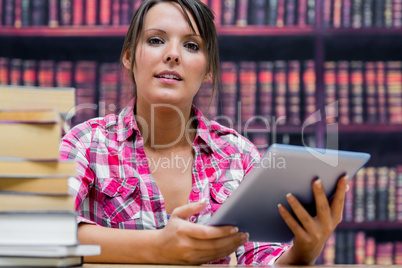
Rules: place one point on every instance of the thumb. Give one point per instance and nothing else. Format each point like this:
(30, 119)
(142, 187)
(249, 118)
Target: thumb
(184, 212)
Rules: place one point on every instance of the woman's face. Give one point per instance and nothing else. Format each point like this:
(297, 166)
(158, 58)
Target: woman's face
(170, 60)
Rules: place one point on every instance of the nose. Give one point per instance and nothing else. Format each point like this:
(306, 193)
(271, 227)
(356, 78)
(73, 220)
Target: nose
(172, 54)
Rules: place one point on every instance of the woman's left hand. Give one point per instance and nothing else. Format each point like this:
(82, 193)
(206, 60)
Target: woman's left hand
(310, 236)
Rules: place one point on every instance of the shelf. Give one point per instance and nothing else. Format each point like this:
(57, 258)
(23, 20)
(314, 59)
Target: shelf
(374, 225)
(107, 31)
(364, 31)
(370, 128)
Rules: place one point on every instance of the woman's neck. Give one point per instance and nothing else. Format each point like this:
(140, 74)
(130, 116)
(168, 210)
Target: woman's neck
(165, 127)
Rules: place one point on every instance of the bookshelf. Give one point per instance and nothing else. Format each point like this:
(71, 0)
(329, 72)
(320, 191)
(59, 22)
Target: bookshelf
(321, 38)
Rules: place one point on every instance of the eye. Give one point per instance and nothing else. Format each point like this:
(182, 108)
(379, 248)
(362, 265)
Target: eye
(155, 41)
(192, 46)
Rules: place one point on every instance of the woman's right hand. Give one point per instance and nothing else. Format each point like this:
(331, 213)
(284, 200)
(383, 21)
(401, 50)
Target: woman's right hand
(183, 242)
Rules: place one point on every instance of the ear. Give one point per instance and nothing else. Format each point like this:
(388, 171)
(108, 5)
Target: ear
(126, 60)
(208, 77)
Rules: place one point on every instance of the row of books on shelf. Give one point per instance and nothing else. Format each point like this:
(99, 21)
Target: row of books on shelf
(262, 92)
(34, 189)
(375, 194)
(20, 13)
(362, 13)
(362, 248)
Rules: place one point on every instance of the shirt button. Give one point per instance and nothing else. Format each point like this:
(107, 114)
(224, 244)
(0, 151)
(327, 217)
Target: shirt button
(193, 218)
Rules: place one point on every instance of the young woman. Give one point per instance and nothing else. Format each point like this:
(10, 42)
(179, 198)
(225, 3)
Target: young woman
(148, 176)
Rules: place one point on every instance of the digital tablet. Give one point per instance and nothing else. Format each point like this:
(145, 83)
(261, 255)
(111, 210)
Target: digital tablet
(284, 169)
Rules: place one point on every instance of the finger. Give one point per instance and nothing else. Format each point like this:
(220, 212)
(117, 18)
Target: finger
(199, 231)
(223, 243)
(184, 212)
(209, 256)
(291, 222)
(321, 202)
(301, 213)
(338, 201)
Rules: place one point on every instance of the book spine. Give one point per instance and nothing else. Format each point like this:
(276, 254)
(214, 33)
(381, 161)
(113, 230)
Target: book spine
(229, 12)
(91, 9)
(280, 14)
(9, 12)
(65, 12)
(115, 12)
(125, 14)
(337, 18)
(381, 93)
(397, 13)
(1, 13)
(53, 13)
(326, 13)
(329, 251)
(272, 12)
(294, 92)
(368, 13)
(392, 194)
(242, 8)
(4, 73)
(39, 12)
(216, 6)
(229, 89)
(360, 243)
(64, 74)
(330, 91)
(388, 14)
(394, 91)
(398, 194)
(25, 13)
(384, 254)
(309, 90)
(302, 13)
(78, 12)
(257, 12)
(310, 12)
(248, 88)
(17, 14)
(357, 14)
(370, 194)
(357, 91)
(346, 13)
(46, 73)
(203, 100)
(108, 96)
(280, 92)
(29, 73)
(16, 72)
(349, 200)
(85, 82)
(350, 247)
(359, 196)
(290, 18)
(370, 251)
(379, 13)
(343, 92)
(265, 94)
(340, 247)
(105, 12)
(371, 98)
(382, 193)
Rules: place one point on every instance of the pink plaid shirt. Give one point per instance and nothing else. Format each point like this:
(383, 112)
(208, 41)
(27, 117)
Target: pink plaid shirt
(114, 187)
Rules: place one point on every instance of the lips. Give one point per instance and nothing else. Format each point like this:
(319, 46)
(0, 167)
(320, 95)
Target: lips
(169, 75)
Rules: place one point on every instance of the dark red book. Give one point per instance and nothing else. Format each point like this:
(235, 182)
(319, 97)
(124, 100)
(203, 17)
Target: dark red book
(309, 91)
(247, 89)
(326, 20)
(66, 12)
(349, 200)
(330, 91)
(229, 90)
(280, 92)
(115, 12)
(229, 12)
(64, 74)
(29, 73)
(108, 88)
(53, 13)
(398, 194)
(371, 96)
(216, 6)
(205, 101)
(46, 71)
(346, 13)
(105, 11)
(381, 93)
(16, 72)
(337, 14)
(356, 83)
(125, 12)
(78, 12)
(294, 92)
(1, 12)
(394, 91)
(86, 93)
(397, 13)
(4, 73)
(290, 12)
(8, 12)
(265, 89)
(91, 9)
(343, 92)
(242, 8)
(280, 17)
(302, 13)
(17, 14)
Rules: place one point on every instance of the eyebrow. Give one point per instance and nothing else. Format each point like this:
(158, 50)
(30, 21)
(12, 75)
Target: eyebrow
(162, 31)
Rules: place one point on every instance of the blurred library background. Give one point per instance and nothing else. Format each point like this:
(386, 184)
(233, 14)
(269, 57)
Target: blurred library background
(323, 73)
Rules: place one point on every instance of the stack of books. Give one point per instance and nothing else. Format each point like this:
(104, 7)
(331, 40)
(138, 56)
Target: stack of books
(38, 224)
